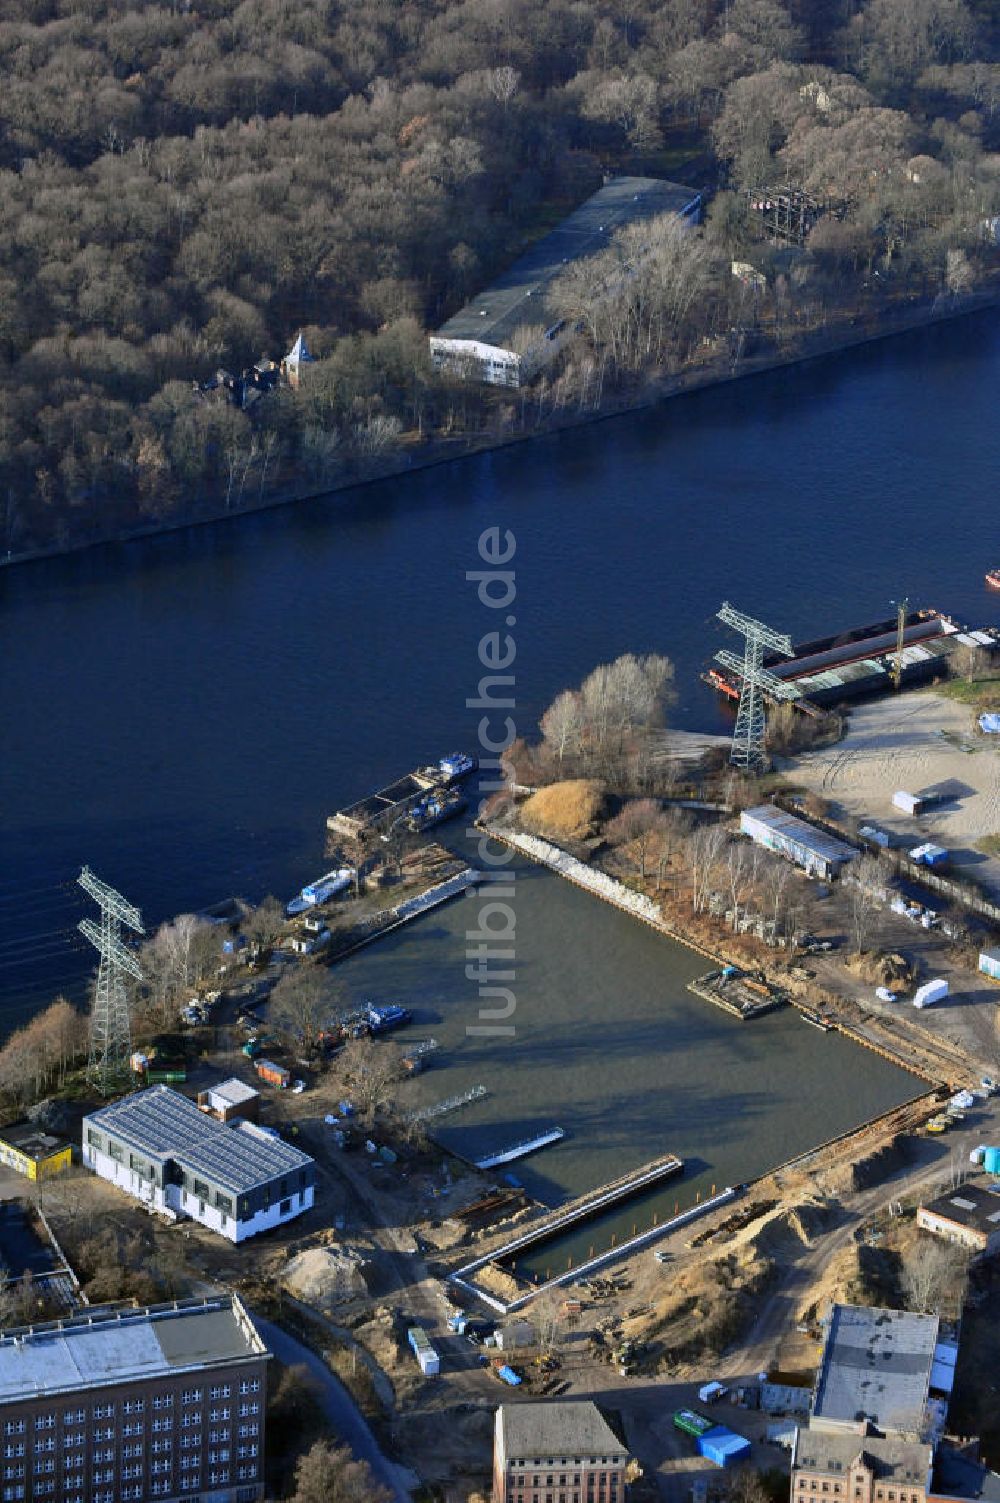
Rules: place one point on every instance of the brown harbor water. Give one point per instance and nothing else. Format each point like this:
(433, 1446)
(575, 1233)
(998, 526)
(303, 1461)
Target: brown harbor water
(611, 1046)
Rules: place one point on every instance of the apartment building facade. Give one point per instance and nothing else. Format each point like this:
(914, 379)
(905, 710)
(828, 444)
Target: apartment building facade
(159, 1405)
(831, 1468)
(557, 1453)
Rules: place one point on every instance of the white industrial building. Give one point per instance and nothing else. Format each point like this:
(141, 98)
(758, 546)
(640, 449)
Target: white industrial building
(233, 1177)
(819, 854)
(510, 331)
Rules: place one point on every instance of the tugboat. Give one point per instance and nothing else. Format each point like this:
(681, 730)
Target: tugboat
(457, 765)
(993, 579)
(434, 808)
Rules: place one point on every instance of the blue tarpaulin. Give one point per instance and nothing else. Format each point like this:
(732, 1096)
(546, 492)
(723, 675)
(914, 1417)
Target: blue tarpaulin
(723, 1447)
(990, 724)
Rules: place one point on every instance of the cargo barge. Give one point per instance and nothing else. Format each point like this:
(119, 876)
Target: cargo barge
(381, 810)
(847, 665)
(737, 993)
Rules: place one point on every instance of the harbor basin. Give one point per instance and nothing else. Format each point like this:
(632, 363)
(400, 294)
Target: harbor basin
(609, 1045)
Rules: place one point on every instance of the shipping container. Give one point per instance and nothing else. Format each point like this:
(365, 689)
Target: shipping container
(991, 1160)
(989, 964)
(928, 854)
(275, 1075)
(910, 803)
(723, 1447)
(930, 992)
(692, 1423)
(430, 1362)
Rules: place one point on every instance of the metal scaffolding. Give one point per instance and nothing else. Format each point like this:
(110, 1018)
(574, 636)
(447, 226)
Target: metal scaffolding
(756, 682)
(110, 1032)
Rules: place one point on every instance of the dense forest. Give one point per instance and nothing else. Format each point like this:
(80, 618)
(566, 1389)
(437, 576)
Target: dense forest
(186, 186)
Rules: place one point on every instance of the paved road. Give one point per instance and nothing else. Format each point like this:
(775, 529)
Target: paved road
(343, 1415)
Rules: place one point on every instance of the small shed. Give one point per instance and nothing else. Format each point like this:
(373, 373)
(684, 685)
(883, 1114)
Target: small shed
(230, 1098)
(989, 964)
(32, 1152)
(723, 1447)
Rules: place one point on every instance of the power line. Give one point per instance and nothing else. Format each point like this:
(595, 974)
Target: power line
(110, 1034)
(755, 681)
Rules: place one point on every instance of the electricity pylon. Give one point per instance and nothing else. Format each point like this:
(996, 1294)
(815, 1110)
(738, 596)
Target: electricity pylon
(755, 682)
(110, 1034)
(902, 611)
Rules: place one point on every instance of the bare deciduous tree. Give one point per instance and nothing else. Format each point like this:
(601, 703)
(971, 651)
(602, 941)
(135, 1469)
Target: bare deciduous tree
(265, 923)
(704, 853)
(302, 1004)
(369, 1071)
(636, 826)
(869, 880)
(934, 1277)
(562, 725)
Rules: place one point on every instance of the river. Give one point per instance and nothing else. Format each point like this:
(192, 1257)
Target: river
(182, 712)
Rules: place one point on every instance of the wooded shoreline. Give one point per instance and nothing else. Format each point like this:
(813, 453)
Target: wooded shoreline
(813, 346)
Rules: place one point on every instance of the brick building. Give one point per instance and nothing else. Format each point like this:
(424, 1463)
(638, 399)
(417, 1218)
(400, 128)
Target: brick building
(969, 1216)
(135, 1405)
(557, 1453)
(853, 1469)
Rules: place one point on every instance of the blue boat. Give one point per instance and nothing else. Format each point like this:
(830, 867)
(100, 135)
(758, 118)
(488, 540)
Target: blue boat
(457, 765)
(383, 1019)
(319, 891)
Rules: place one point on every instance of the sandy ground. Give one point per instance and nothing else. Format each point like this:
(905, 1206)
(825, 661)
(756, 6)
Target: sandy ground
(922, 743)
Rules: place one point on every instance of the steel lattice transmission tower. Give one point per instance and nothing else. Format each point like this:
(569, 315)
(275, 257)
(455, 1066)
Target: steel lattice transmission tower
(756, 683)
(110, 1035)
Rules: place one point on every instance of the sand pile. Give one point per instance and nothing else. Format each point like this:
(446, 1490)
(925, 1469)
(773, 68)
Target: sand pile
(325, 1277)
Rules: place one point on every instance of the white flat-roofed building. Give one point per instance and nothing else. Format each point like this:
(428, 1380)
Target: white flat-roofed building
(510, 330)
(234, 1178)
(875, 1374)
(133, 1405)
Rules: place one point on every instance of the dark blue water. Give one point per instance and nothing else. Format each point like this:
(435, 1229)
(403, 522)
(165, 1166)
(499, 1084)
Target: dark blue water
(183, 712)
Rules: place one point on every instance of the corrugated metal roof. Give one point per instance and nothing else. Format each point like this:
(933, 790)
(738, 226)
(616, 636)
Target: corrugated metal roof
(517, 299)
(789, 827)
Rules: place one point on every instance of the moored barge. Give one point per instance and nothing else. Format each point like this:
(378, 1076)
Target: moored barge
(382, 809)
(847, 665)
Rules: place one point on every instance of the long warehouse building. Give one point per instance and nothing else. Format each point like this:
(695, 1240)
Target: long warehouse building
(511, 329)
(816, 852)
